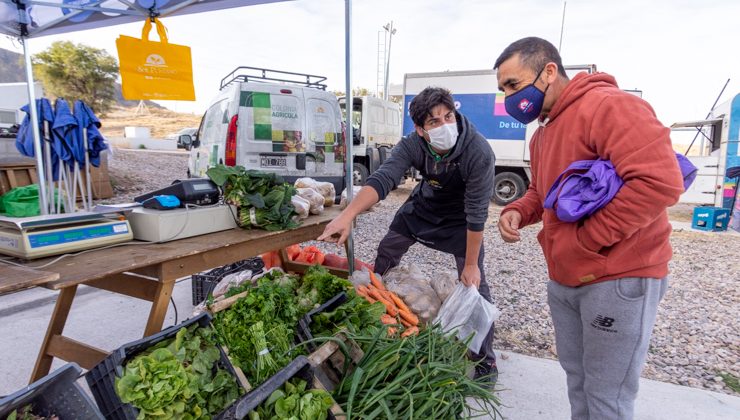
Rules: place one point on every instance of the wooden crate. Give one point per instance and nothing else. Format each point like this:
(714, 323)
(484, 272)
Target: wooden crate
(16, 174)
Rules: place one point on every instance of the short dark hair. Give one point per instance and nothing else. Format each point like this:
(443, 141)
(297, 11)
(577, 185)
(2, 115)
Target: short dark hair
(422, 104)
(534, 52)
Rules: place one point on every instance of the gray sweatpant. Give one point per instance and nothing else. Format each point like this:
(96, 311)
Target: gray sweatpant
(394, 245)
(602, 332)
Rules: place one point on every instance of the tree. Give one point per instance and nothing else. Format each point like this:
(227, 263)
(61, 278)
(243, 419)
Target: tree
(358, 91)
(76, 71)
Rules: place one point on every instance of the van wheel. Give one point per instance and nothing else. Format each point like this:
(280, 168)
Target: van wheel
(359, 174)
(507, 187)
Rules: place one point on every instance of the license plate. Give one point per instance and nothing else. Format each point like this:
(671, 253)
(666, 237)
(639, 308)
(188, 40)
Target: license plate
(273, 161)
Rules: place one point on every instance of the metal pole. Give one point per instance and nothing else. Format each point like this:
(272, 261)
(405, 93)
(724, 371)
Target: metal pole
(562, 26)
(38, 151)
(88, 172)
(349, 107)
(391, 31)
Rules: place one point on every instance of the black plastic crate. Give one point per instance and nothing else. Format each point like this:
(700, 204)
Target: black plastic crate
(102, 378)
(56, 393)
(298, 368)
(303, 332)
(204, 283)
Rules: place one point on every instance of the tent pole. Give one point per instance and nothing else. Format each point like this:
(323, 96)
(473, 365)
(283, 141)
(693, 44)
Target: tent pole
(349, 136)
(88, 172)
(38, 151)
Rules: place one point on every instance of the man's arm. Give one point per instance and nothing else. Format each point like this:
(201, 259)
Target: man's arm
(378, 186)
(470, 275)
(626, 131)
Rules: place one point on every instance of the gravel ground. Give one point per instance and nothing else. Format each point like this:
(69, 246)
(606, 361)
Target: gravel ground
(696, 334)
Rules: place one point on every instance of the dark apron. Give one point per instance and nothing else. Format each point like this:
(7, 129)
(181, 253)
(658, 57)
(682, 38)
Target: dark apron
(434, 214)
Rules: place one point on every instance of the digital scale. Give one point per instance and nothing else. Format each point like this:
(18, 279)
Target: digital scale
(42, 236)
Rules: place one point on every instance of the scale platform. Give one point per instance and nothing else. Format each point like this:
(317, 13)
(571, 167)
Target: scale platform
(169, 225)
(43, 236)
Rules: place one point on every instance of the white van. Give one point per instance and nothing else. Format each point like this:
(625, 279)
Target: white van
(272, 121)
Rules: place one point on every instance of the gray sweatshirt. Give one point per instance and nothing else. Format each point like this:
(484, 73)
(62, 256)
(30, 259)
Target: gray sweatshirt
(455, 188)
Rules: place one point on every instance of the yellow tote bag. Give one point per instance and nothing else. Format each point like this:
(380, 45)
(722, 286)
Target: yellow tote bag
(155, 70)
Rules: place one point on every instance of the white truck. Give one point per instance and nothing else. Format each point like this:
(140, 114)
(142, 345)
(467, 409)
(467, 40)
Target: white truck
(719, 150)
(377, 128)
(477, 97)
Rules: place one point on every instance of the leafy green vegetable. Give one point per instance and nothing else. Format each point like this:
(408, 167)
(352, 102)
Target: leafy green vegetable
(26, 413)
(319, 283)
(179, 378)
(273, 304)
(293, 401)
(356, 315)
(263, 199)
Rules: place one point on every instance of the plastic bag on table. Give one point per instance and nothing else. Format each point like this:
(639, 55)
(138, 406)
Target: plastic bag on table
(314, 198)
(301, 205)
(444, 283)
(325, 188)
(467, 313)
(343, 200)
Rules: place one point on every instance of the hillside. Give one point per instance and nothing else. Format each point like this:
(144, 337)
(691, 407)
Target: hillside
(11, 67)
(160, 121)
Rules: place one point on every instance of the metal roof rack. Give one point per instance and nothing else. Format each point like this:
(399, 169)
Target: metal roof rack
(255, 74)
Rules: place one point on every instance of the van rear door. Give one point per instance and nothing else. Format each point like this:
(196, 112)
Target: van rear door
(271, 129)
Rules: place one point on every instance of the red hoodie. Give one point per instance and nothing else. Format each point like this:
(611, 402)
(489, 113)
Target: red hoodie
(629, 237)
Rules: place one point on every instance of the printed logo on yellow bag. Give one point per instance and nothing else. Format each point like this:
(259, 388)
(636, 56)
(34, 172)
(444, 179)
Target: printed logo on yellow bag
(155, 70)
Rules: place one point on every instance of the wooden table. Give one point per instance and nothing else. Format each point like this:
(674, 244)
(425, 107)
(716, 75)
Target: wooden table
(149, 271)
(13, 278)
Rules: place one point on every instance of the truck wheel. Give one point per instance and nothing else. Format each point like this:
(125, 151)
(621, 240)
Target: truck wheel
(384, 153)
(507, 187)
(359, 174)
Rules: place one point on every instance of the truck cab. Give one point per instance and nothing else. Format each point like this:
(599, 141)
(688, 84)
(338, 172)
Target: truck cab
(376, 129)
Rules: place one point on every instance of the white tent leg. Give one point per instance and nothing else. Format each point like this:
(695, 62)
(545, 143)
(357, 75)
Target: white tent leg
(43, 198)
(349, 105)
(87, 170)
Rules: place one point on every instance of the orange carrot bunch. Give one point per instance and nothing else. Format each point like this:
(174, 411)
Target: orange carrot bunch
(396, 310)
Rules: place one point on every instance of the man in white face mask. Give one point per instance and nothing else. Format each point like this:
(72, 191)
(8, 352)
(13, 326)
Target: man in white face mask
(447, 210)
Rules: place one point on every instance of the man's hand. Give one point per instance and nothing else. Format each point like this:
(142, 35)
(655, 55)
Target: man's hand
(337, 230)
(470, 276)
(508, 226)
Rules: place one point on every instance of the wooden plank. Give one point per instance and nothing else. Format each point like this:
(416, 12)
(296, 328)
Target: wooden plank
(71, 350)
(129, 285)
(185, 256)
(56, 327)
(226, 303)
(13, 278)
(300, 267)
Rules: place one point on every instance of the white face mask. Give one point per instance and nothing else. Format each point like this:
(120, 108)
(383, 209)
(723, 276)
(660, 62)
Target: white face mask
(443, 137)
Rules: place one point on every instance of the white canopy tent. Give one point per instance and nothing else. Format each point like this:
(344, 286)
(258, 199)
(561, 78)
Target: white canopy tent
(26, 19)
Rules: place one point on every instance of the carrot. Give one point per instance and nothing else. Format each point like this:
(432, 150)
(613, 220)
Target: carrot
(399, 302)
(406, 323)
(392, 331)
(375, 282)
(361, 290)
(369, 299)
(388, 320)
(389, 306)
(409, 331)
(409, 317)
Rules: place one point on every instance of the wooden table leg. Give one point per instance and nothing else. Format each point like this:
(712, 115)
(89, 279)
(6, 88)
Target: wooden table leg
(159, 307)
(56, 327)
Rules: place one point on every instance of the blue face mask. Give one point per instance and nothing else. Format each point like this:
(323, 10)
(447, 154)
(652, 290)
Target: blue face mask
(525, 105)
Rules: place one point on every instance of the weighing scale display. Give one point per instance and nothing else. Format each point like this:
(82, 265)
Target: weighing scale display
(39, 240)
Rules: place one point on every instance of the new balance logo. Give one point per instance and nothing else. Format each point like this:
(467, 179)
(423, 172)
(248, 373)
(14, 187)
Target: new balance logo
(603, 323)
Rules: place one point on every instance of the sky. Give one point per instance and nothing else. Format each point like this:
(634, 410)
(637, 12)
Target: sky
(679, 53)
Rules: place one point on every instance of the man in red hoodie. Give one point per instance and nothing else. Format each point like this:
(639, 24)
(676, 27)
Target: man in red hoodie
(609, 271)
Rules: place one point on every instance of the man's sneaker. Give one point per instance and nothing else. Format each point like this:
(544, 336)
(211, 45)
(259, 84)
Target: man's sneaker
(486, 372)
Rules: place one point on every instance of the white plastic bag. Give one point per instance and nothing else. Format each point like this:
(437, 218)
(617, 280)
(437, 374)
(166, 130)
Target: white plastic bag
(326, 189)
(467, 312)
(231, 280)
(361, 277)
(411, 285)
(444, 283)
(315, 199)
(301, 205)
(343, 200)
